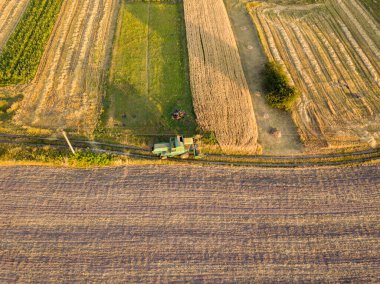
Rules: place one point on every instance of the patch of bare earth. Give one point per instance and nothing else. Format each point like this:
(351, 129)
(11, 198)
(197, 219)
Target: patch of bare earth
(165, 224)
(253, 59)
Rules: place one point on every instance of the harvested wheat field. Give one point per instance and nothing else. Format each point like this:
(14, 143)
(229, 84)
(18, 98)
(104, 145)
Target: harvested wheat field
(10, 14)
(160, 224)
(68, 88)
(331, 52)
(221, 97)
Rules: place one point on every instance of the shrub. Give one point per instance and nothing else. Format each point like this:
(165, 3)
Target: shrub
(3, 105)
(278, 92)
(88, 158)
(209, 138)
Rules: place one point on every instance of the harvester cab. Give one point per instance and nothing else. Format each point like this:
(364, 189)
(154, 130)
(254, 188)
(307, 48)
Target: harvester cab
(177, 146)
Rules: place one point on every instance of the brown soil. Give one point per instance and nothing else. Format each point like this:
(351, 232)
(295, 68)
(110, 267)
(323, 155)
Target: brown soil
(161, 224)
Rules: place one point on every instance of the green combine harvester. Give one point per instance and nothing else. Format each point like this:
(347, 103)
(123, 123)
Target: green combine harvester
(177, 147)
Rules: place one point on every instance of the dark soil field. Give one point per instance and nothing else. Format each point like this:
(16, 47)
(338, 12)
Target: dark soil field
(189, 224)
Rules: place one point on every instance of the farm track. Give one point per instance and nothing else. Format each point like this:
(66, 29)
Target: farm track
(331, 53)
(263, 161)
(68, 87)
(221, 97)
(160, 224)
(11, 12)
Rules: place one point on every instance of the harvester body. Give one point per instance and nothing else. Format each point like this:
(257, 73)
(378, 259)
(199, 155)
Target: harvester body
(177, 146)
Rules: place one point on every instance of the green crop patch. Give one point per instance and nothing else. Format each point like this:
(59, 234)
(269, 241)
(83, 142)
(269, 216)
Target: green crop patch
(21, 55)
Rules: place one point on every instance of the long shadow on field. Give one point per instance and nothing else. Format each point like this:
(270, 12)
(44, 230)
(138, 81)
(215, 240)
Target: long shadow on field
(211, 40)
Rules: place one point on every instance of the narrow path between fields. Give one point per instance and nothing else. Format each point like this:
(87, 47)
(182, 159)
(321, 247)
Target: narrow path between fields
(253, 60)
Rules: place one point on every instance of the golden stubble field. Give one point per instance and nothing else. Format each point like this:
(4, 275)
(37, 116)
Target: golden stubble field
(168, 224)
(10, 14)
(67, 90)
(331, 52)
(221, 97)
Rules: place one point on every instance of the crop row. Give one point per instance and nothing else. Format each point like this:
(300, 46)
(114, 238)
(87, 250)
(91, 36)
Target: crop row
(332, 56)
(160, 224)
(221, 97)
(67, 88)
(21, 55)
(10, 13)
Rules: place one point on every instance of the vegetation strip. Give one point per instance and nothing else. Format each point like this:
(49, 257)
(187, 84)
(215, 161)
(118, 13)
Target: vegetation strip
(21, 55)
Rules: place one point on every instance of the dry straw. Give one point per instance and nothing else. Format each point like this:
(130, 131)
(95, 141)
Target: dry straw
(67, 90)
(222, 100)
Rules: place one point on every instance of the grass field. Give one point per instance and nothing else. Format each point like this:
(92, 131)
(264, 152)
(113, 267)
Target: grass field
(148, 76)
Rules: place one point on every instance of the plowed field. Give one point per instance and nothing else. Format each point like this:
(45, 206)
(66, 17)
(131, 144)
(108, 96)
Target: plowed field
(163, 224)
(69, 84)
(331, 52)
(10, 13)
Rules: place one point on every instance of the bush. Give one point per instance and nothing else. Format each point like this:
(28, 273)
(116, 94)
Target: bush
(278, 92)
(88, 158)
(209, 138)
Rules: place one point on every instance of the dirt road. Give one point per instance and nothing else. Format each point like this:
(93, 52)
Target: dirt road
(191, 224)
(253, 59)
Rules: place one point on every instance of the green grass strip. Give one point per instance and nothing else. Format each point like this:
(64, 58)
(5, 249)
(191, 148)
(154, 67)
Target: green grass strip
(21, 55)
